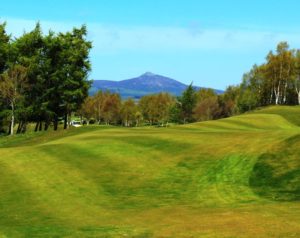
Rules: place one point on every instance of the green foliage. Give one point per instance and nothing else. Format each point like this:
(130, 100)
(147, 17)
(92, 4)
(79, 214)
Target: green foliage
(4, 54)
(175, 112)
(4, 47)
(111, 108)
(128, 112)
(74, 68)
(247, 100)
(188, 102)
(156, 108)
(274, 82)
(57, 67)
(207, 107)
(228, 101)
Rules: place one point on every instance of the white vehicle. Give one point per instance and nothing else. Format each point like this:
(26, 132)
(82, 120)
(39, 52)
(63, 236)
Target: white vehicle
(76, 123)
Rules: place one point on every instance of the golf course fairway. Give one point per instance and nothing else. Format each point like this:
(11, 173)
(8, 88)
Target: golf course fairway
(235, 177)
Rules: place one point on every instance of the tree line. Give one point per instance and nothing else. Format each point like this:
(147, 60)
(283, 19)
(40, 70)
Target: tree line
(44, 80)
(275, 82)
(43, 77)
(157, 109)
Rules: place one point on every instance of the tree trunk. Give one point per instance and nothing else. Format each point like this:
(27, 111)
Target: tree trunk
(36, 126)
(66, 121)
(9, 128)
(24, 127)
(12, 119)
(41, 126)
(277, 95)
(46, 126)
(298, 92)
(99, 115)
(19, 127)
(277, 100)
(55, 123)
(271, 97)
(284, 95)
(69, 119)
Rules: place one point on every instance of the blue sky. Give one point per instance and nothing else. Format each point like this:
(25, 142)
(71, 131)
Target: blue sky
(211, 43)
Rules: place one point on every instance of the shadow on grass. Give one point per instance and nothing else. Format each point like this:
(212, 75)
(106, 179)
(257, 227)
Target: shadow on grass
(277, 175)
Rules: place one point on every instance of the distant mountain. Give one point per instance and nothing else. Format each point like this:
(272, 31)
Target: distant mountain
(147, 83)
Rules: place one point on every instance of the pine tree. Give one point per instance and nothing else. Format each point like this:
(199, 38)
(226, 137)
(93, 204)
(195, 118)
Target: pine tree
(188, 102)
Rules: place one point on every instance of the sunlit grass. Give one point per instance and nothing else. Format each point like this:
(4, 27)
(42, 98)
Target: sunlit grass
(237, 177)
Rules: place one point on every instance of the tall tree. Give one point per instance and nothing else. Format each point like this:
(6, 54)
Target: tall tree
(4, 57)
(207, 107)
(148, 108)
(175, 112)
(138, 117)
(188, 102)
(297, 75)
(87, 109)
(99, 104)
(111, 108)
(128, 112)
(57, 68)
(280, 70)
(75, 67)
(164, 102)
(228, 101)
(27, 51)
(4, 47)
(12, 85)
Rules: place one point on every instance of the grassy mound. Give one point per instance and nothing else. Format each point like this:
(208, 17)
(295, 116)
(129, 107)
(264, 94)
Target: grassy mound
(277, 175)
(237, 177)
(290, 113)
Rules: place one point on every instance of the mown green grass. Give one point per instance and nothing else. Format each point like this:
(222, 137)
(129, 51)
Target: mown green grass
(237, 177)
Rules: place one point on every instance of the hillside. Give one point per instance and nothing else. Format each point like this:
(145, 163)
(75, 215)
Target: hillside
(147, 83)
(236, 177)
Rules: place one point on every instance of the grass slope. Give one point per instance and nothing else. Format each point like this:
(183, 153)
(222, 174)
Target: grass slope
(237, 177)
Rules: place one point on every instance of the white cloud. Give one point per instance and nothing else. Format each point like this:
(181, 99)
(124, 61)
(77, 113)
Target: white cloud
(112, 38)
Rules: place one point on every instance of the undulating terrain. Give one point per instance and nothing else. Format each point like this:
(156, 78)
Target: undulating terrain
(236, 177)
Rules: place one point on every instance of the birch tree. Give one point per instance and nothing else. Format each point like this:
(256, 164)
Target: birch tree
(128, 112)
(297, 75)
(280, 71)
(12, 84)
(99, 100)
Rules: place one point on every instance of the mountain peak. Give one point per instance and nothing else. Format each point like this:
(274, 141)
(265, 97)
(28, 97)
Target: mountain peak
(149, 74)
(145, 84)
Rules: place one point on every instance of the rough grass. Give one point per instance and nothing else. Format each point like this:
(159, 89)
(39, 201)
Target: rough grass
(237, 177)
